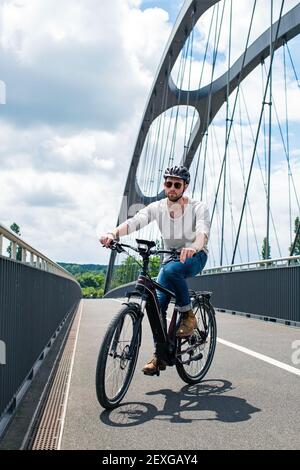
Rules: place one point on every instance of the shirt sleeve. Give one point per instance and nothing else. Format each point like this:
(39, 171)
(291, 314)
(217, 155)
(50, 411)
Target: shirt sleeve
(202, 219)
(142, 218)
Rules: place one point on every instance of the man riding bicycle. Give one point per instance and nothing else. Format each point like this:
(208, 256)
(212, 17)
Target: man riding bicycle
(184, 224)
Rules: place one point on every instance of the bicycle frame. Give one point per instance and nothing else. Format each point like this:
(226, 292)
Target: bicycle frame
(121, 343)
(145, 288)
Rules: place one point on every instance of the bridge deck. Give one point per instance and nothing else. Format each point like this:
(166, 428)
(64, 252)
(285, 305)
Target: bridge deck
(244, 402)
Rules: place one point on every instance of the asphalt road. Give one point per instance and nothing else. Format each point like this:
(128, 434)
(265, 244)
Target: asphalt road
(246, 401)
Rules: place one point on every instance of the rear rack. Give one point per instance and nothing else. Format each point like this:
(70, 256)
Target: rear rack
(200, 293)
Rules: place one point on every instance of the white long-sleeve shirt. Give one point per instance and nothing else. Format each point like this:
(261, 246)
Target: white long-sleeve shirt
(179, 232)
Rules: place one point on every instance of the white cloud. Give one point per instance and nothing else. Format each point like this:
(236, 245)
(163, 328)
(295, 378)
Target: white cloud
(152, 29)
(78, 77)
(84, 64)
(237, 159)
(51, 209)
(241, 16)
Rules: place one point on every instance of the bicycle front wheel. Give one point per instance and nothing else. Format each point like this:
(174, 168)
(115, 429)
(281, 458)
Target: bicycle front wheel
(117, 357)
(195, 354)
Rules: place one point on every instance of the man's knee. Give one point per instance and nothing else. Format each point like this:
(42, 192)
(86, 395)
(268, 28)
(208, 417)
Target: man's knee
(175, 269)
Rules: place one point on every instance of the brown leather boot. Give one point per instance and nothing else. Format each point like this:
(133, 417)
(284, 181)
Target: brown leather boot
(154, 366)
(187, 325)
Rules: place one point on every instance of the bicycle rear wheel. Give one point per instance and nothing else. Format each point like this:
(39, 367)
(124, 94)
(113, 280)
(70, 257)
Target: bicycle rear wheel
(117, 357)
(195, 354)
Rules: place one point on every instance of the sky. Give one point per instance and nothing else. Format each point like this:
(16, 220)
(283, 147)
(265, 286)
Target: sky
(77, 76)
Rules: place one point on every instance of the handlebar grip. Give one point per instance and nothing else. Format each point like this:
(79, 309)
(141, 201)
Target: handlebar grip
(114, 245)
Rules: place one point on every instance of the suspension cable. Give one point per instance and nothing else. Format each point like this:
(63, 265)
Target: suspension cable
(203, 63)
(208, 110)
(228, 197)
(226, 132)
(261, 170)
(184, 55)
(293, 65)
(258, 131)
(185, 142)
(235, 103)
(286, 152)
(242, 165)
(216, 49)
(287, 138)
(270, 138)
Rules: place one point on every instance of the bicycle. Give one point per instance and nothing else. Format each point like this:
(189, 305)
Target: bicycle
(192, 356)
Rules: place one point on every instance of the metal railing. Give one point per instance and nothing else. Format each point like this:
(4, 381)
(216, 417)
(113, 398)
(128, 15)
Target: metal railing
(36, 298)
(36, 259)
(250, 288)
(268, 293)
(260, 264)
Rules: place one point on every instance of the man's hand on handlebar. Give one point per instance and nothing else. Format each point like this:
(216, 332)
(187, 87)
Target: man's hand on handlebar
(109, 241)
(186, 253)
(106, 239)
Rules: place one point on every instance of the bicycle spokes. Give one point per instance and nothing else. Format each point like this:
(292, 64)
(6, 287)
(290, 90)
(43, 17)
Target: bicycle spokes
(191, 344)
(119, 357)
(194, 354)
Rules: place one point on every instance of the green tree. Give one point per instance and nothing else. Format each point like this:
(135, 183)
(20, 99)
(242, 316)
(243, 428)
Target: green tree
(91, 283)
(16, 229)
(127, 272)
(89, 279)
(264, 253)
(73, 268)
(154, 266)
(100, 279)
(92, 292)
(297, 245)
(82, 268)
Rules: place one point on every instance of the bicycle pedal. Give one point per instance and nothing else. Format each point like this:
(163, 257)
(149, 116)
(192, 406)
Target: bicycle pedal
(152, 374)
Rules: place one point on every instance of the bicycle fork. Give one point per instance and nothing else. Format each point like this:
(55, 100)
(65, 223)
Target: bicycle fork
(127, 355)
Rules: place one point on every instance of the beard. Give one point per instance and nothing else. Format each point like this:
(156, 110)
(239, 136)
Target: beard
(174, 198)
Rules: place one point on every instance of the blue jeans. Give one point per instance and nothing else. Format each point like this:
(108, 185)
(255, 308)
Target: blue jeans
(172, 276)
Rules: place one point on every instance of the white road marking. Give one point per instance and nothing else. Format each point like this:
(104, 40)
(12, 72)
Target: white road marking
(262, 357)
(255, 354)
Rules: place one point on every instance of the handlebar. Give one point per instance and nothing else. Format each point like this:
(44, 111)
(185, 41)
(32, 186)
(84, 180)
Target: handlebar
(174, 251)
(117, 246)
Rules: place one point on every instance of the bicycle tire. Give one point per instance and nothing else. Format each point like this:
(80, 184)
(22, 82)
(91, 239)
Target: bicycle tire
(208, 310)
(105, 398)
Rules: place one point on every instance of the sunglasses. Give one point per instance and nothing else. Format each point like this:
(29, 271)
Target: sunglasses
(169, 184)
